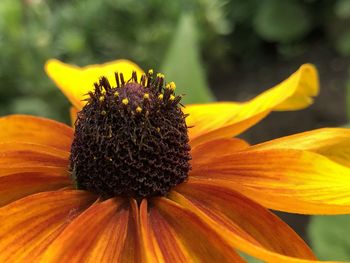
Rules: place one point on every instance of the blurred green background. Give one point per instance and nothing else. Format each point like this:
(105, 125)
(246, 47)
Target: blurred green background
(212, 49)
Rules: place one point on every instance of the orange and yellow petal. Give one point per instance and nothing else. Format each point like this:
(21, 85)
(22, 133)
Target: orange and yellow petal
(333, 143)
(226, 119)
(183, 215)
(203, 153)
(18, 157)
(75, 82)
(96, 235)
(169, 236)
(247, 219)
(36, 130)
(289, 180)
(29, 225)
(18, 185)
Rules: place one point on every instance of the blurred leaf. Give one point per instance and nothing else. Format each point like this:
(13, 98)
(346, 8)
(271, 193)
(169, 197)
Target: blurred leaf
(282, 21)
(342, 8)
(342, 43)
(32, 106)
(329, 237)
(182, 63)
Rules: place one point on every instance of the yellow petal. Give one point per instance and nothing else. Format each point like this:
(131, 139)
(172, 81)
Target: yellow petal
(73, 115)
(185, 233)
(225, 119)
(30, 224)
(289, 180)
(248, 219)
(333, 143)
(75, 82)
(30, 129)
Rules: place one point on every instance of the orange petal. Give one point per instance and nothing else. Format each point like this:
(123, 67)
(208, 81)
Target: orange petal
(75, 82)
(30, 224)
(30, 129)
(160, 243)
(15, 186)
(132, 244)
(189, 219)
(208, 150)
(251, 221)
(18, 157)
(283, 179)
(178, 236)
(97, 235)
(331, 142)
(220, 120)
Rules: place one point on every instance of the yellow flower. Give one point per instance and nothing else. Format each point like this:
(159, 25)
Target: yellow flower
(122, 205)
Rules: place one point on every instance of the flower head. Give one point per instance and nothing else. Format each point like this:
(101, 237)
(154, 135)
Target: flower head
(134, 144)
(122, 187)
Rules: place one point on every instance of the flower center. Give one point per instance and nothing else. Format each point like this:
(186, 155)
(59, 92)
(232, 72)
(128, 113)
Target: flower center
(131, 140)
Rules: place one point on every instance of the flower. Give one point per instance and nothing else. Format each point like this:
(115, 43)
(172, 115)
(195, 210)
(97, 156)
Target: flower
(219, 209)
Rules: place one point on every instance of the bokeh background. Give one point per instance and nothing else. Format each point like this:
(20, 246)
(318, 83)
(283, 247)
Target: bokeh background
(212, 49)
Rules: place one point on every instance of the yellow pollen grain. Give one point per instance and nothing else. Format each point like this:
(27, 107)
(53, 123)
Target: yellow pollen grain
(160, 96)
(146, 96)
(160, 75)
(116, 94)
(172, 97)
(103, 112)
(158, 129)
(150, 71)
(138, 109)
(102, 98)
(125, 101)
(172, 85)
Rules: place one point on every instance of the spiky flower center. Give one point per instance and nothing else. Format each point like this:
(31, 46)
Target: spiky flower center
(131, 140)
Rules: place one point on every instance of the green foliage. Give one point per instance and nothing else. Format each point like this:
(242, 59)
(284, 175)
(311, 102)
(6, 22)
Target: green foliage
(90, 31)
(329, 237)
(84, 32)
(182, 63)
(282, 21)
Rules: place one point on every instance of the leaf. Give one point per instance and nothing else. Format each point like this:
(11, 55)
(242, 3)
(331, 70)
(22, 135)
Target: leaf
(182, 63)
(329, 236)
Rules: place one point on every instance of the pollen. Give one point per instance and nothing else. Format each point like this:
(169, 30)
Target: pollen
(131, 143)
(171, 85)
(160, 75)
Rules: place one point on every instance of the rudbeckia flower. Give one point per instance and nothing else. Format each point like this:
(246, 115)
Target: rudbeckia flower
(139, 178)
